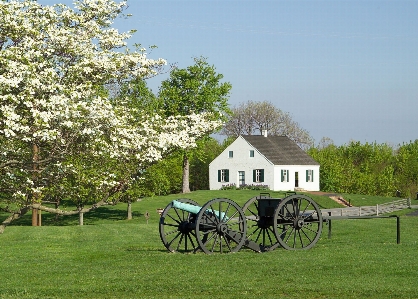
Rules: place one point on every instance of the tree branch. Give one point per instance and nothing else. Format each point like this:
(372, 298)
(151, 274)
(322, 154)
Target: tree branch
(11, 162)
(73, 212)
(14, 216)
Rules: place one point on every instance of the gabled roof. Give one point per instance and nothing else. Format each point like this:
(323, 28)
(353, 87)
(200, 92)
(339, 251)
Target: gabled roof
(280, 150)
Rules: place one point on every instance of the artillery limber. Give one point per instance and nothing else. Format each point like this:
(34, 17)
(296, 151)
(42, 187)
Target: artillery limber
(262, 224)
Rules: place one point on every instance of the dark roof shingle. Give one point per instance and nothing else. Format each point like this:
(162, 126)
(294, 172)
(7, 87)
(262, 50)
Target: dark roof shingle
(280, 150)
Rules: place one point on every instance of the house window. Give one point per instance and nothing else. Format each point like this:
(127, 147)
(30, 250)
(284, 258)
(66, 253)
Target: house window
(309, 175)
(223, 175)
(231, 154)
(241, 178)
(252, 153)
(258, 175)
(285, 175)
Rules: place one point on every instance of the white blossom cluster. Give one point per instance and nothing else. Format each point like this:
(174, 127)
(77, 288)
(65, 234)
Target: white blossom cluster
(53, 58)
(53, 62)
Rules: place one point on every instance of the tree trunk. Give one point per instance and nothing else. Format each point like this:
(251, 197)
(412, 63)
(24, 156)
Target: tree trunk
(129, 210)
(81, 218)
(57, 205)
(186, 183)
(36, 216)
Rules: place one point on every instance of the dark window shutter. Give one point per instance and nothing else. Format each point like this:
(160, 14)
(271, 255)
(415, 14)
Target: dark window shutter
(307, 174)
(312, 175)
(254, 175)
(227, 175)
(219, 175)
(288, 175)
(282, 180)
(261, 175)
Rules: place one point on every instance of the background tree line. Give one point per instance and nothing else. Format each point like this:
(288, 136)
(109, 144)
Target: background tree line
(369, 168)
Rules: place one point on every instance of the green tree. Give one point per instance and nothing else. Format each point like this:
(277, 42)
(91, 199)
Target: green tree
(195, 89)
(208, 149)
(356, 168)
(162, 178)
(406, 168)
(138, 96)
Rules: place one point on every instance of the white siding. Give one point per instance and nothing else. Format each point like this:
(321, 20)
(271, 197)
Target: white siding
(301, 170)
(241, 161)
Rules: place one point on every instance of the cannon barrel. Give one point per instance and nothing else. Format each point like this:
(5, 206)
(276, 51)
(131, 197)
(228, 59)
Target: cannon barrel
(196, 209)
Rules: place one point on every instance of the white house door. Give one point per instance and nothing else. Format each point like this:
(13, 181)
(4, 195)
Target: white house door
(241, 178)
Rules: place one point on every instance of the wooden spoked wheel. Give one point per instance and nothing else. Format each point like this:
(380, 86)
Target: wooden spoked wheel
(298, 222)
(177, 228)
(259, 229)
(220, 226)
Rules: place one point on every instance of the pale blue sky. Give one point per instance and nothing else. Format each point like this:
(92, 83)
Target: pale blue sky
(347, 70)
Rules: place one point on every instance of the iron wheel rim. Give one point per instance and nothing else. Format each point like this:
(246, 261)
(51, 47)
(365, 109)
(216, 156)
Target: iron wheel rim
(225, 233)
(176, 229)
(298, 222)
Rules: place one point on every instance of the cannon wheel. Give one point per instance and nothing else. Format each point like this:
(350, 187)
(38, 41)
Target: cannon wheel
(177, 228)
(259, 230)
(298, 222)
(223, 233)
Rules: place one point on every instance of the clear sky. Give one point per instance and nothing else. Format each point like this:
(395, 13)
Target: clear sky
(347, 70)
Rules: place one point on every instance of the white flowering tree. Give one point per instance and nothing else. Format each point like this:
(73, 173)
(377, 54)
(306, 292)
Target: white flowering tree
(60, 134)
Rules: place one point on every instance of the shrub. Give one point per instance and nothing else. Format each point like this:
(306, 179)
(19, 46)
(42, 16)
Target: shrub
(229, 187)
(245, 187)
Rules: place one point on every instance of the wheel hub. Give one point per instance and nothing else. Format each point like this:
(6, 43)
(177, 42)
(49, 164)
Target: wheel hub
(184, 227)
(298, 223)
(222, 228)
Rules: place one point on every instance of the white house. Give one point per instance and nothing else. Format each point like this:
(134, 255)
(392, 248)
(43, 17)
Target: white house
(275, 161)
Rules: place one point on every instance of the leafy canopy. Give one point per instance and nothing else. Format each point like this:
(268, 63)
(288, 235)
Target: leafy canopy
(196, 89)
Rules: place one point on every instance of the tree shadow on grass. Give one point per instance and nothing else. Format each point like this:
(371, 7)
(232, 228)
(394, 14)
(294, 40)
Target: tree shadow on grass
(143, 249)
(97, 216)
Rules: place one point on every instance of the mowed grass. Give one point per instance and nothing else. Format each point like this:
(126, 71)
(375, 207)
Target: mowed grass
(110, 257)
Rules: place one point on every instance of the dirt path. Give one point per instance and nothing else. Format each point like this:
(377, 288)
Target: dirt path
(335, 197)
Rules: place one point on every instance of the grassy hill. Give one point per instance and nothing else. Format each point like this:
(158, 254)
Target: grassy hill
(110, 257)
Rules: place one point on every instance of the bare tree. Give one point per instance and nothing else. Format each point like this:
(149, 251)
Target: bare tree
(251, 118)
(325, 142)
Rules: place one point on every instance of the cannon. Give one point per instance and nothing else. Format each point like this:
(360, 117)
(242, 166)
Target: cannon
(221, 225)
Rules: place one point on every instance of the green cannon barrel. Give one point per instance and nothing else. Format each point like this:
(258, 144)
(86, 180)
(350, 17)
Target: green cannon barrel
(196, 209)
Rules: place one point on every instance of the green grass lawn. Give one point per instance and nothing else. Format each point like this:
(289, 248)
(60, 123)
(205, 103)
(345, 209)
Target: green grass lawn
(110, 257)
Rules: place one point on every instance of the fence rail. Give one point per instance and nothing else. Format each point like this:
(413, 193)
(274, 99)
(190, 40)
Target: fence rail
(377, 210)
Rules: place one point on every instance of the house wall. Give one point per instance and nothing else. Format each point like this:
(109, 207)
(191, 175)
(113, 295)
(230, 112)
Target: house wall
(241, 161)
(292, 170)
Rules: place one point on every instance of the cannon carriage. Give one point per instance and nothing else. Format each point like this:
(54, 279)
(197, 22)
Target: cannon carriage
(221, 225)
